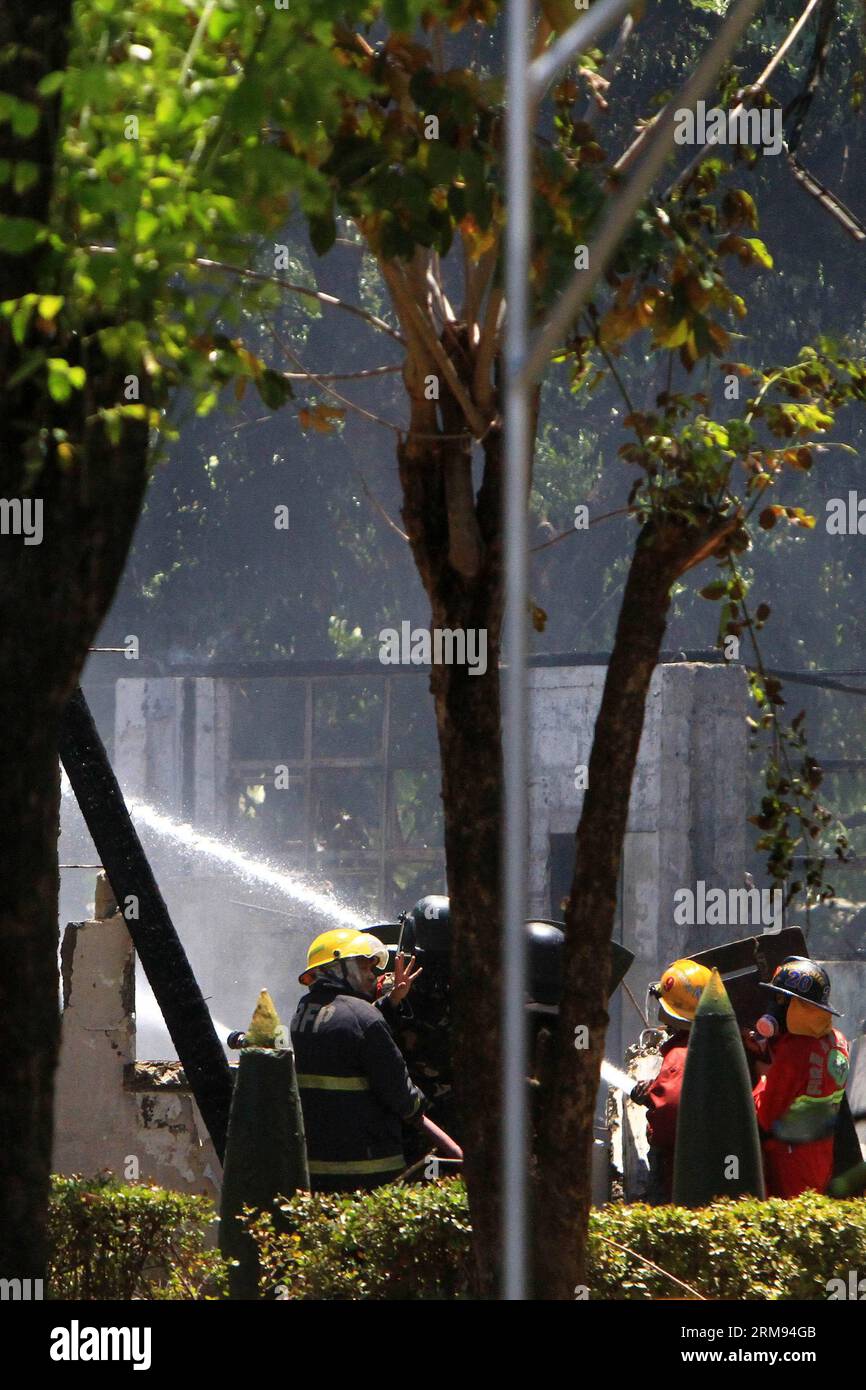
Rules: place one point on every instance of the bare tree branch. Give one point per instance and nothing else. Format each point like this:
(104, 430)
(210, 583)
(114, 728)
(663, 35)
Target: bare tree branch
(433, 346)
(612, 61)
(418, 357)
(747, 95)
(488, 346)
(572, 530)
(340, 376)
(847, 219)
(625, 204)
(476, 278)
(440, 298)
(379, 508)
(329, 390)
(330, 299)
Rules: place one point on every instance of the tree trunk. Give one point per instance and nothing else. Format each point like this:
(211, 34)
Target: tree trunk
(563, 1179)
(457, 548)
(29, 1009)
(55, 587)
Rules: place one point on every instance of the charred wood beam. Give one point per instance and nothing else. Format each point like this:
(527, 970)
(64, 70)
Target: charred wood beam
(153, 934)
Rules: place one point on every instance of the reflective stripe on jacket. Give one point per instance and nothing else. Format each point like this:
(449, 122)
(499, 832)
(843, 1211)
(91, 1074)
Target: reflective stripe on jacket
(355, 1090)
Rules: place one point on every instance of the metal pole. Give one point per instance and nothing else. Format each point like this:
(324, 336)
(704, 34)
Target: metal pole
(577, 39)
(525, 84)
(516, 491)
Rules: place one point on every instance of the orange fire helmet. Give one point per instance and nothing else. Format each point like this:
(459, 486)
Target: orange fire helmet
(680, 988)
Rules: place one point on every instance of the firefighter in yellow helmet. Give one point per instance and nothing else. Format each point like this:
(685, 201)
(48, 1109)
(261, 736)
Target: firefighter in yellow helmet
(677, 992)
(355, 1090)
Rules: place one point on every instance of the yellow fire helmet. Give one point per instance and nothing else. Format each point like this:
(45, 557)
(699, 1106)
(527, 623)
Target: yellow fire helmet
(680, 988)
(343, 943)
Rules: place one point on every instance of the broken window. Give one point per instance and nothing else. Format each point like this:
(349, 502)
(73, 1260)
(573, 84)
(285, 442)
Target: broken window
(417, 808)
(347, 718)
(347, 812)
(412, 723)
(270, 817)
(268, 719)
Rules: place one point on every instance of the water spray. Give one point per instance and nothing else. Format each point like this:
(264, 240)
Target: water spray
(620, 1080)
(260, 870)
(196, 841)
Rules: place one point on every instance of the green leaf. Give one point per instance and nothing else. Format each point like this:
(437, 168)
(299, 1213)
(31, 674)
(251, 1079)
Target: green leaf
(762, 255)
(717, 589)
(146, 227)
(25, 119)
(50, 83)
(323, 232)
(59, 385)
(49, 306)
(221, 23)
(24, 175)
(31, 363)
(18, 234)
(273, 388)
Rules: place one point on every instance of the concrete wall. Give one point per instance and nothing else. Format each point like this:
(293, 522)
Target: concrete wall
(149, 745)
(848, 993)
(140, 1121)
(148, 750)
(686, 814)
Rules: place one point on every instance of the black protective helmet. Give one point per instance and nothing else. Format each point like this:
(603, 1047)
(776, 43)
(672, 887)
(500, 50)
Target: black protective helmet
(427, 928)
(546, 941)
(801, 978)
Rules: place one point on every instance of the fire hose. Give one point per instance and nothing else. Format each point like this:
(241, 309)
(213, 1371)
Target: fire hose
(443, 1142)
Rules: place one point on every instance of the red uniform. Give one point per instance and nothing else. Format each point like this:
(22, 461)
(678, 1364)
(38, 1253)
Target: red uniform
(664, 1104)
(797, 1103)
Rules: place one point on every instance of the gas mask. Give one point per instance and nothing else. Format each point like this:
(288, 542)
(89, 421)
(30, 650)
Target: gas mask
(773, 1022)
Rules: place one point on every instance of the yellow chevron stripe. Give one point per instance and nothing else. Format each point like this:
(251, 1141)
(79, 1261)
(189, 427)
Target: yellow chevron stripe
(393, 1163)
(308, 1082)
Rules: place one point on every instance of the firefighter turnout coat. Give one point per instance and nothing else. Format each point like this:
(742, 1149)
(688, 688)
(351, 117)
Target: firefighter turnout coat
(355, 1090)
(663, 1098)
(797, 1104)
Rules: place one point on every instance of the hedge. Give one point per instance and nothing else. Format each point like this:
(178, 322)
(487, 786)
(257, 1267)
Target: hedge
(116, 1241)
(399, 1242)
(413, 1242)
(108, 1240)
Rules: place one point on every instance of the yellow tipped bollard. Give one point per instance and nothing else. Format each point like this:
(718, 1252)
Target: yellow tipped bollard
(718, 1148)
(266, 1154)
(265, 1022)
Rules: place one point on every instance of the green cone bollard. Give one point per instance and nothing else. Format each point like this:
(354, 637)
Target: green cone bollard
(266, 1153)
(718, 1149)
